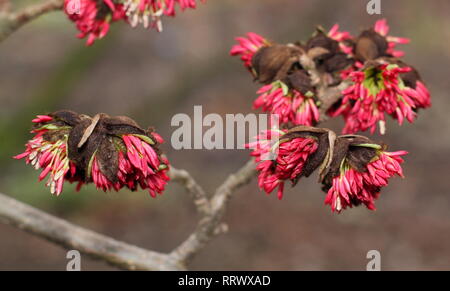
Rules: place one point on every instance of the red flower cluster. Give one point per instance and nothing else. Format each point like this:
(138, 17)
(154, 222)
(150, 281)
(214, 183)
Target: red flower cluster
(352, 187)
(291, 156)
(139, 165)
(289, 104)
(138, 162)
(149, 12)
(93, 17)
(377, 91)
(375, 84)
(342, 37)
(353, 169)
(49, 155)
(380, 84)
(278, 95)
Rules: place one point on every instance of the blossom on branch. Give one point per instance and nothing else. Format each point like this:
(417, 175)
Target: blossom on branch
(375, 43)
(382, 28)
(49, 154)
(287, 90)
(111, 152)
(93, 17)
(342, 37)
(289, 104)
(353, 169)
(149, 12)
(359, 172)
(295, 153)
(377, 91)
(247, 47)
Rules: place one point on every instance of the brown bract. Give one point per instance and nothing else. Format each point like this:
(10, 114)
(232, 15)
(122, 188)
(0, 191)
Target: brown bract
(279, 62)
(274, 62)
(325, 139)
(326, 53)
(331, 151)
(282, 63)
(348, 147)
(370, 45)
(410, 78)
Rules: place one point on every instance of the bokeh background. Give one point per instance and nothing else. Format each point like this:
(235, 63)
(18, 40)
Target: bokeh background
(151, 76)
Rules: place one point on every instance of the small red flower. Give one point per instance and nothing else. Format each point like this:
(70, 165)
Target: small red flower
(139, 164)
(289, 104)
(287, 90)
(48, 154)
(377, 91)
(247, 47)
(290, 158)
(109, 157)
(341, 37)
(93, 17)
(415, 88)
(352, 187)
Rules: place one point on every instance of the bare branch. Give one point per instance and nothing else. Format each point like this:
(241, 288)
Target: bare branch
(210, 225)
(197, 193)
(70, 236)
(10, 22)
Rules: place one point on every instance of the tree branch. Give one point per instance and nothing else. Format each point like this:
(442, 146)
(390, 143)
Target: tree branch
(197, 193)
(210, 225)
(10, 22)
(121, 254)
(328, 96)
(70, 236)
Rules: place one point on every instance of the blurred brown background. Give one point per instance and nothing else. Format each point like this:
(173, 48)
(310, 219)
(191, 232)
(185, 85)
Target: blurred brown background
(151, 77)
